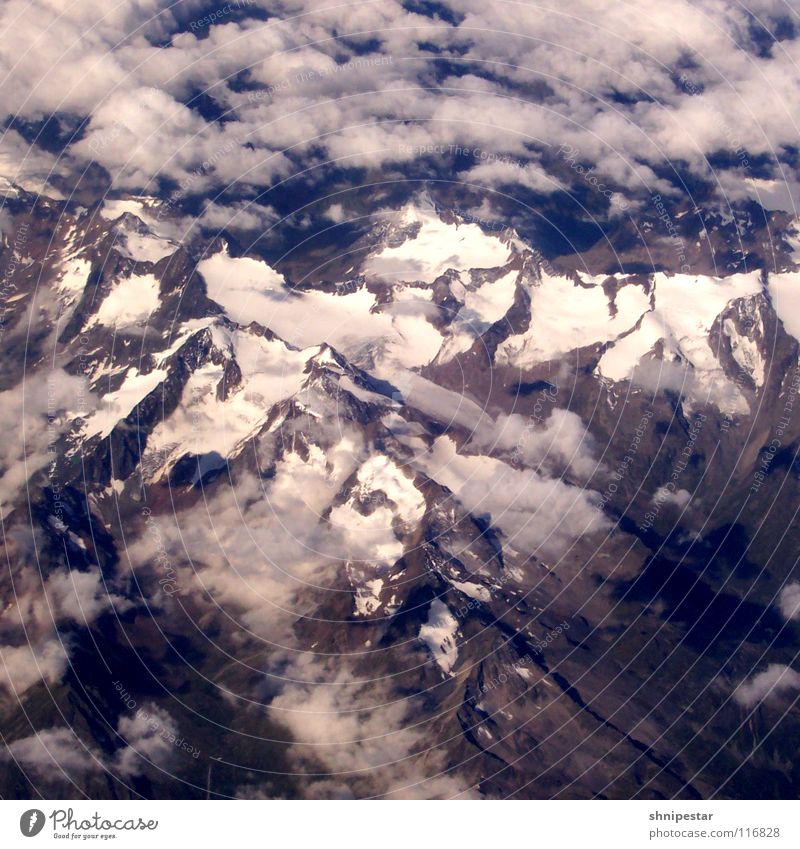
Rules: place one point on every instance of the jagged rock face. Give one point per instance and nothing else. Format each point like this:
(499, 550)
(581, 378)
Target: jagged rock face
(458, 524)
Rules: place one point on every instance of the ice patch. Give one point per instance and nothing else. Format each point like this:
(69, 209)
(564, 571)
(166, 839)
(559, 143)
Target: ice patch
(354, 323)
(131, 301)
(439, 635)
(118, 405)
(73, 279)
(784, 290)
(474, 591)
(143, 247)
(382, 474)
(686, 307)
(436, 248)
(368, 597)
(111, 210)
(482, 308)
(565, 316)
(745, 352)
(147, 210)
(204, 423)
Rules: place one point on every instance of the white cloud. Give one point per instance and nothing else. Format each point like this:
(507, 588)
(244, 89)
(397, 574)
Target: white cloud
(240, 216)
(23, 666)
(678, 498)
(103, 63)
(789, 601)
(150, 734)
(773, 682)
(562, 440)
(33, 415)
(536, 513)
(259, 545)
(26, 166)
(32, 646)
(375, 750)
(55, 748)
(506, 173)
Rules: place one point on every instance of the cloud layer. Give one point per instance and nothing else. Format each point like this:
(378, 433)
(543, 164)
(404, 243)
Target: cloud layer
(154, 90)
